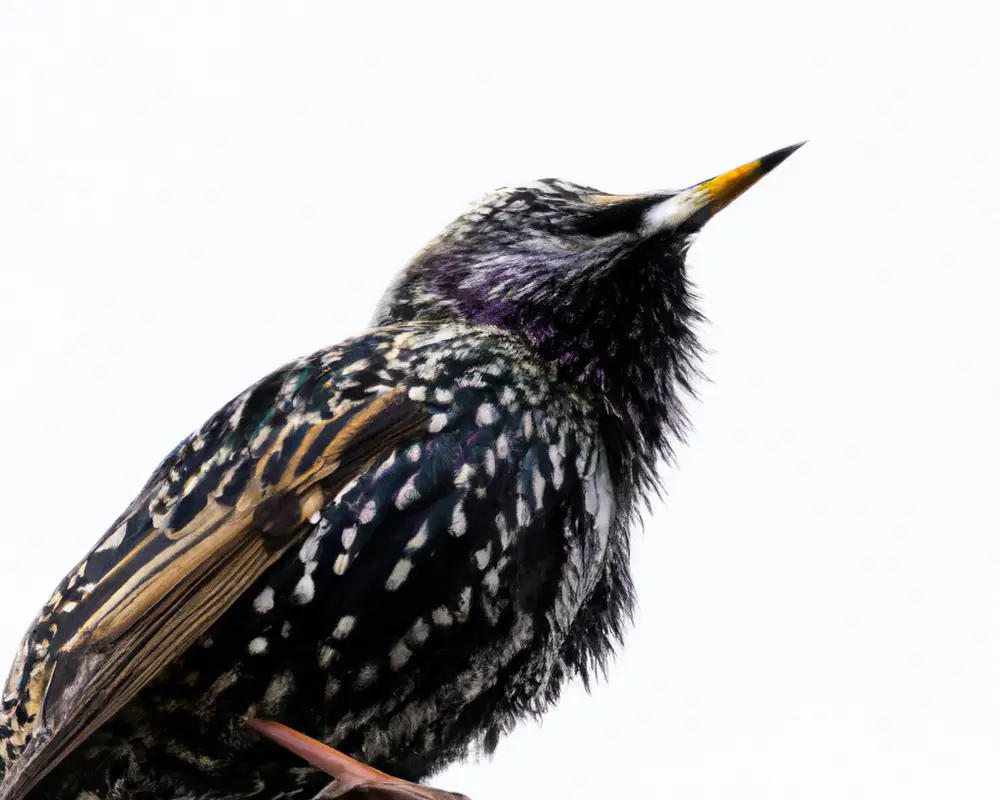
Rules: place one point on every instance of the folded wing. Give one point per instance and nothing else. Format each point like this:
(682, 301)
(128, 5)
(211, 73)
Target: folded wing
(215, 515)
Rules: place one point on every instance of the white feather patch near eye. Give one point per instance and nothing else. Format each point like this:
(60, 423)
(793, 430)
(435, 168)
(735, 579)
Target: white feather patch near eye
(674, 210)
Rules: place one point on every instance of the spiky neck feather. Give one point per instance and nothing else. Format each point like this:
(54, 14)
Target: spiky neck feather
(626, 331)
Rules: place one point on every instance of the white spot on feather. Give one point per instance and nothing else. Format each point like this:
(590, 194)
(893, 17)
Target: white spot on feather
(257, 646)
(385, 465)
(437, 423)
(264, 602)
(366, 677)
(491, 581)
(399, 655)
(464, 605)
(555, 456)
(304, 591)
(357, 366)
(241, 404)
(347, 537)
(344, 627)
(408, 493)
(326, 655)
(350, 485)
(483, 556)
(503, 530)
(443, 335)
(399, 574)
(418, 632)
(113, 540)
(277, 692)
(590, 498)
(523, 513)
(441, 616)
(465, 475)
(485, 414)
(538, 484)
(419, 539)
(309, 548)
(458, 521)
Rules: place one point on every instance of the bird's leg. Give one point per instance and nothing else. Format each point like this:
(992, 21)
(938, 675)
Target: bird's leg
(353, 777)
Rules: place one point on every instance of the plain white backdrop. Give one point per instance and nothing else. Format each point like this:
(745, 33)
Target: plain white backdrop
(192, 193)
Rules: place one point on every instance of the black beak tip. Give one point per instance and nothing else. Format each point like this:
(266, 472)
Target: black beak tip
(771, 160)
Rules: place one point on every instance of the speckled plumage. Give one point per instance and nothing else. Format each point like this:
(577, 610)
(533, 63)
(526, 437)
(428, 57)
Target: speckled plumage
(400, 545)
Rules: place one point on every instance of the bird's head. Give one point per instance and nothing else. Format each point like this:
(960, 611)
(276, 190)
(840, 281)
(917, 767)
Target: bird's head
(595, 282)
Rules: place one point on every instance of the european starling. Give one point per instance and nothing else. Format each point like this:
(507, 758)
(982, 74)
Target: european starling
(400, 545)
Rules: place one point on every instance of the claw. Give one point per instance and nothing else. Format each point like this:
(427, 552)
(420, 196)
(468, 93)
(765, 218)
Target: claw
(352, 776)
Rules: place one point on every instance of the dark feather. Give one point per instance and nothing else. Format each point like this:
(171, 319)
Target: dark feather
(225, 526)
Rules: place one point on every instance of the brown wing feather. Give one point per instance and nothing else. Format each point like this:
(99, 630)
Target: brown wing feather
(175, 582)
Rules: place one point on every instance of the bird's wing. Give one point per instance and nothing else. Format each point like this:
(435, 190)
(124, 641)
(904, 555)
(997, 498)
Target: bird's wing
(218, 511)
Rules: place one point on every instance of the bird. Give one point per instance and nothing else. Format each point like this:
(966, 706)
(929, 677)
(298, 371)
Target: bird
(400, 545)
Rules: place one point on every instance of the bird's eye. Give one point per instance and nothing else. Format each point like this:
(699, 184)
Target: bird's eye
(616, 216)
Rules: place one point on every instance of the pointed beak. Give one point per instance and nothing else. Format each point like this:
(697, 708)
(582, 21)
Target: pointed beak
(688, 210)
(352, 776)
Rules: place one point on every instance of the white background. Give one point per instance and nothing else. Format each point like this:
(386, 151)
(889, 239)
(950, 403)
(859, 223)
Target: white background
(192, 193)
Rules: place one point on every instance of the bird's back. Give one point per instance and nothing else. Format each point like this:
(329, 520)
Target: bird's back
(439, 597)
